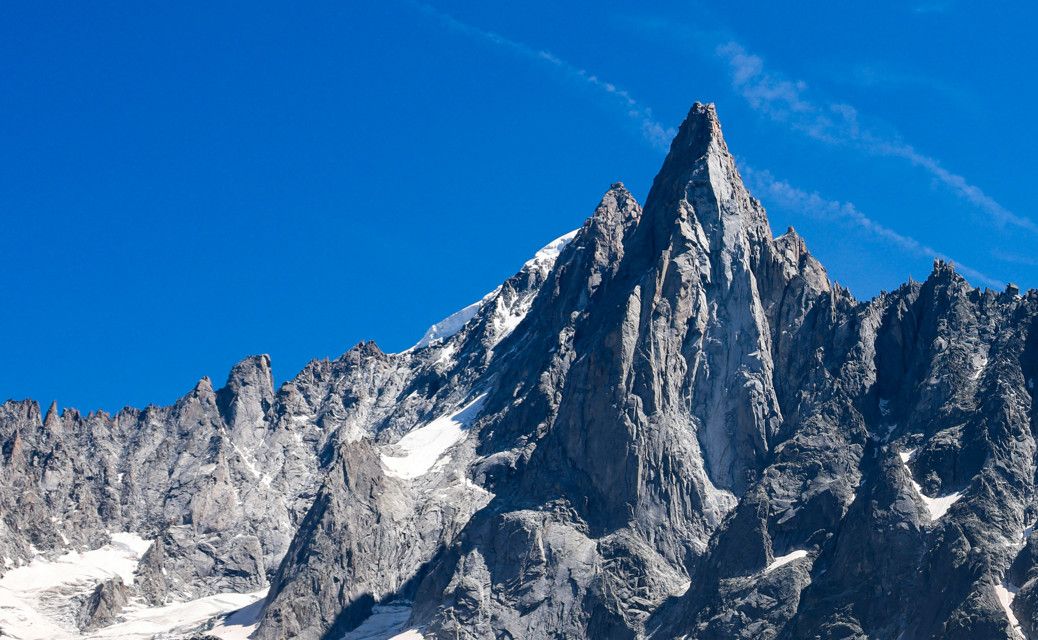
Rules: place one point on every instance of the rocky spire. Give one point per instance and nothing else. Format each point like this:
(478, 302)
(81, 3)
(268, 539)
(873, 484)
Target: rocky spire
(52, 421)
(248, 395)
(699, 180)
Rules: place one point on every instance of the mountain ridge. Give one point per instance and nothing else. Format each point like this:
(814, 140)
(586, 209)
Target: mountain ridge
(673, 424)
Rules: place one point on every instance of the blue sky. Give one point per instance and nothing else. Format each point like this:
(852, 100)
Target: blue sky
(184, 184)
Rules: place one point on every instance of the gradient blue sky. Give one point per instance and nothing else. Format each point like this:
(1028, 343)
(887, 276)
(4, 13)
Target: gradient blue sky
(184, 184)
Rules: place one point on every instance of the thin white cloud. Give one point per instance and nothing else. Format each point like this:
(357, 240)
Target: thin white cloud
(781, 98)
(1014, 258)
(653, 131)
(933, 7)
(785, 100)
(785, 195)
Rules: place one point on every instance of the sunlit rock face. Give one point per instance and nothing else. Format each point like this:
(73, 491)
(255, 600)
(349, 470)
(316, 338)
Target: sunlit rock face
(668, 423)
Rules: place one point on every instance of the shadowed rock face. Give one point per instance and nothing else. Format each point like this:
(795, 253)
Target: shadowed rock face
(669, 424)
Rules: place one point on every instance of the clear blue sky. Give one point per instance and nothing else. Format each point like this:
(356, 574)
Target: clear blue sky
(184, 184)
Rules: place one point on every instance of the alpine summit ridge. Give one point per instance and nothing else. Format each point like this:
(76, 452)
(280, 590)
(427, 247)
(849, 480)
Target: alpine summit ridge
(668, 424)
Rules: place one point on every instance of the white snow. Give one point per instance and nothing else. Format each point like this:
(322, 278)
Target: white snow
(35, 598)
(936, 506)
(451, 324)
(1006, 593)
(507, 320)
(508, 316)
(446, 356)
(980, 361)
(545, 259)
(423, 446)
(247, 459)
(239, 625)
(38, 600)
(118, 558)
(542, 261)
(180, 617)
(884, 412)
(786, 559)
(386, 622)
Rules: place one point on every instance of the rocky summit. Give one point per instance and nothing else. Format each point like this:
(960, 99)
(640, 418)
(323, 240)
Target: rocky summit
(668, 424)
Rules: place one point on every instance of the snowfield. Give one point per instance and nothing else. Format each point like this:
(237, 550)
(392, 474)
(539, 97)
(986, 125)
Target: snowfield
(420, 449)
(386, 622)
(938, 506)
(786, 559)
(39, 600)
(505, 319)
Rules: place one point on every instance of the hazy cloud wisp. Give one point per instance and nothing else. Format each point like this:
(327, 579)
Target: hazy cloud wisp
(657, 135)
(781, 99)
(787, 196)
(786, 101)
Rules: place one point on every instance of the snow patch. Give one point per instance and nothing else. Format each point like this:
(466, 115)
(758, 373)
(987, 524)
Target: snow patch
(980, 362)
(542, 261)
(239, 624)
(422, 447)
(249, 463)
(116, 559)
(936, 506)
(446, 356)
(35, 598)
(182, 617)
(386, 622)
(1006, 593)
(451, 324)
(786, 559)
(545, 259)
(507, 319)
(884, 412)
(940, 505)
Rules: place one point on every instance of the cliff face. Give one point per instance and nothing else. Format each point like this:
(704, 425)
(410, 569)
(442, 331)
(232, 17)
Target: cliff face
(668, 423)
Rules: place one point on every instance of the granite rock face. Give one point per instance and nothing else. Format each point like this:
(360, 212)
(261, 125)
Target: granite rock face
(669, 423)
(103, 606)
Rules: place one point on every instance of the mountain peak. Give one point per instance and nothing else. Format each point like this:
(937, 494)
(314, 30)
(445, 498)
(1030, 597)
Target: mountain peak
(617, 203)
(699, 179)
(52, 420)
(698, 159)
(700, 130)
(661, 419)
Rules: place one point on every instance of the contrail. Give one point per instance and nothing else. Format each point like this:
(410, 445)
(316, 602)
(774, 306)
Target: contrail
(784, 100)
(787, 196)
(768, 93)
(657, 135)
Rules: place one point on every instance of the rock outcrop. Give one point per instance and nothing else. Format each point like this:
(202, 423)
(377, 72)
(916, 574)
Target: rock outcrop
(103, 606)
